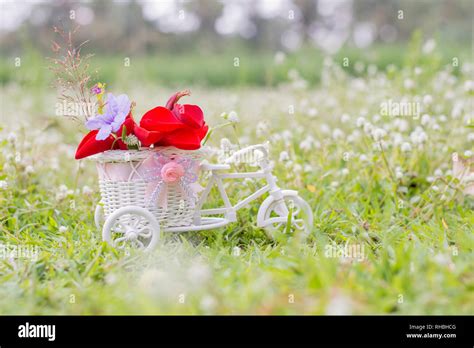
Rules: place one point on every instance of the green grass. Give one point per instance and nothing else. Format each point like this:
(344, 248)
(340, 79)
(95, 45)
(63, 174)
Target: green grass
(256, 68)
(415, 228)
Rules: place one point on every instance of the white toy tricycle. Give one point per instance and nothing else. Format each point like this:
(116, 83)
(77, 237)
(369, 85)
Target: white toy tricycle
(139, 202)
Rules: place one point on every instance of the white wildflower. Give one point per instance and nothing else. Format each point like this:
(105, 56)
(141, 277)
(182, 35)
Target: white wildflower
(339, 305)
(279, 57)
(11, 137)
(378, 134)
(408, 83)
(233, 117)
(405, 147)
(307, 143)
(308, 168)
(236, 251)
(469, 86)
(337, 134)
(438, 172)
(87, 190)
(312, 112)
(427, 99)
(363, 158)
(29, 169)
(429, 46)
(368, 128)
(62, 229)
(3, 184)
(467, 153)
(360, 122)
(345, 118)
(262, 128)
(398, 173)
(425, 119)
(198, 273)
(344, 171)
(208, 303)
(325, 128)
(111, 279)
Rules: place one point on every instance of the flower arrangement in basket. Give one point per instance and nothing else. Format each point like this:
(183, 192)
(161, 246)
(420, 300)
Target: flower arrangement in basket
(153, 164)
(148, 171)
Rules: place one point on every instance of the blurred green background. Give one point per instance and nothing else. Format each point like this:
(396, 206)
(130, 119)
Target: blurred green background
(228, 43)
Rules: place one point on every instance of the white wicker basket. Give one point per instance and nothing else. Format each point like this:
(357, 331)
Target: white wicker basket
(123, 182)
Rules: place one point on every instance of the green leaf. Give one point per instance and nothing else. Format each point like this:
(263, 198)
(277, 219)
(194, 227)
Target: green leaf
(124, 133)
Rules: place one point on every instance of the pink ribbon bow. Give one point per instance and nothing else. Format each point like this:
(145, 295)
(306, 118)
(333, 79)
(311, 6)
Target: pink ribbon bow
(161, 170)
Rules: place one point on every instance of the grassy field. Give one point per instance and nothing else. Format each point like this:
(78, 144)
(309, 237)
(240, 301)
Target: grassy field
(381, 183)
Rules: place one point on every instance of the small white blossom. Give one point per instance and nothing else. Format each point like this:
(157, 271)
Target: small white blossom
(469, 86)
(325, 128)
(262, 128)
(236, 251)
(368, 128)
(429, 46)
(279, 57)
(87, 190)
(378, 133)
(427, 99)
(337, 134)
(405, 147)
(3, 184)
(62, 229)
(29, 169)
(233, 117)
(360, 122)
(312, 112)
(468, 153)
(425, 119)
(11, 137)
(284, 156)
(408, 83)
(208, 303)
(307, 143)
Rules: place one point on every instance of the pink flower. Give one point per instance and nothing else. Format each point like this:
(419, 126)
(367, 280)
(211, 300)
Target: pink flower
(172, 172)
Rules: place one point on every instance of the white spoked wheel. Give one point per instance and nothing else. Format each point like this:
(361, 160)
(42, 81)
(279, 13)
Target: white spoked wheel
(99, 215)
(291, 216)
(131, 226)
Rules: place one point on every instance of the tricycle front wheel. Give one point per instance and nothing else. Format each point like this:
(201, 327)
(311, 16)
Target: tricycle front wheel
(290, 216)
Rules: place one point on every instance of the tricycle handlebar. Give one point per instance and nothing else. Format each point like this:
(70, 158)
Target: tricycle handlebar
(237, 156)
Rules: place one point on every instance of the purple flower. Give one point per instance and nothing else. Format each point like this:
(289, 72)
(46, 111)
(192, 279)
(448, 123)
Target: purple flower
(116, 110)
(96, 89)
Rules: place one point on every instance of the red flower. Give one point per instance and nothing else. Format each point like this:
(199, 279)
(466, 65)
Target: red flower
(90, 146)
(181, 126)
